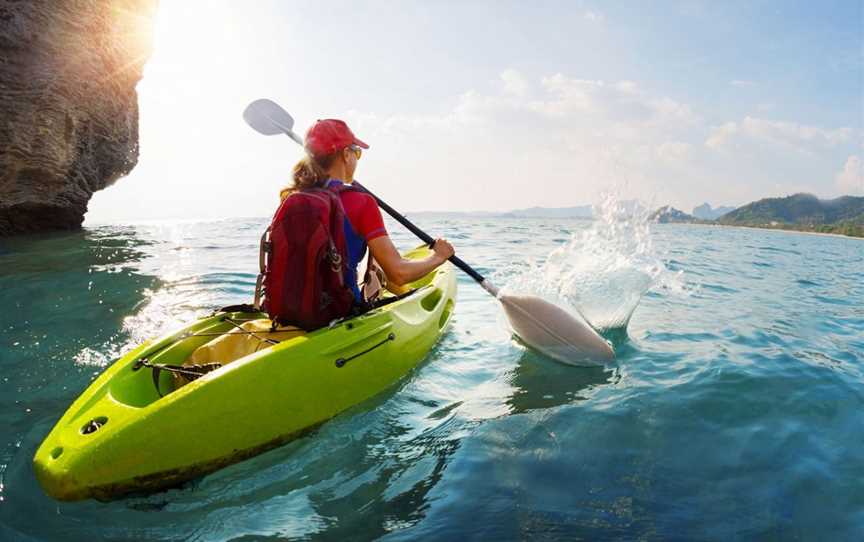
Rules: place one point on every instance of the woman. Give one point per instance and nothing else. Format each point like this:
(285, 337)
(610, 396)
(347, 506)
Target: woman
(332, 152)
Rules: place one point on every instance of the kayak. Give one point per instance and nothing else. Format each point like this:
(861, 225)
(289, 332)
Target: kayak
(133, 432)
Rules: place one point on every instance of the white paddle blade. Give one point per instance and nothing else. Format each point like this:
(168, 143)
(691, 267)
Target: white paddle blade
(268, 118)
(555, 332)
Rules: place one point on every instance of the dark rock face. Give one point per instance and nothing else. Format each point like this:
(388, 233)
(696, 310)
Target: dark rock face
(68, 105)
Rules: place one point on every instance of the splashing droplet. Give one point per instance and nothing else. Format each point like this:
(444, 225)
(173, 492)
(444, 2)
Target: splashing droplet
(602, 271)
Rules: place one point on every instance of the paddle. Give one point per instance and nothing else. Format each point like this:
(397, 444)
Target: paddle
(538, 323)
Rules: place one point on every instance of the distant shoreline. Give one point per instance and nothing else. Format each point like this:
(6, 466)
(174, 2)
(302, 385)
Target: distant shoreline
(763, 228)
(445, 215)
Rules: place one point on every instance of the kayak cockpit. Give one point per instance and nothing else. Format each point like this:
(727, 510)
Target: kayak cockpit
(208, 345)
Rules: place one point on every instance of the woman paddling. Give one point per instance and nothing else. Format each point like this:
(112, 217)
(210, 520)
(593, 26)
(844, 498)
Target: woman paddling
(332, 152)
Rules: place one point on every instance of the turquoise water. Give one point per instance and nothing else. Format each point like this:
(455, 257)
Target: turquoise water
(734, 410)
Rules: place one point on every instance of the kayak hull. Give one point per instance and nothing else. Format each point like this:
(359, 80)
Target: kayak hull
(143, 442)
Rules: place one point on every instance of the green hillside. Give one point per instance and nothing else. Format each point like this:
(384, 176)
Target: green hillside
(798, 209)
(844, 215)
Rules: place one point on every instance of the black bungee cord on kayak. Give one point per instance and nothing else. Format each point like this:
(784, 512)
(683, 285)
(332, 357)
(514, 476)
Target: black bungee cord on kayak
(191, 372)
(195, 371)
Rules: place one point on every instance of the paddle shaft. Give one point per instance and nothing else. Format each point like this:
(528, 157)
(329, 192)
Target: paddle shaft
(425, 237)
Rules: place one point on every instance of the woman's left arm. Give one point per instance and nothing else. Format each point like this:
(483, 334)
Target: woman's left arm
(401, 271)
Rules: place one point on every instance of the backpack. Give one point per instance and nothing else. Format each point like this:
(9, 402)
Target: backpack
(303, 260)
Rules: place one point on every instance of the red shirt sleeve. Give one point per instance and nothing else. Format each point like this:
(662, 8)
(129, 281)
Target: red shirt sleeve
(365, 217)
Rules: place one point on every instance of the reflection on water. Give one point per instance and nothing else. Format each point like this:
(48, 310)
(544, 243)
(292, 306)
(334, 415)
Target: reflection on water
(539, 383)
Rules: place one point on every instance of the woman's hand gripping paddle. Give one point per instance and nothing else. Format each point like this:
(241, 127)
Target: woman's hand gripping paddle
(536, 322)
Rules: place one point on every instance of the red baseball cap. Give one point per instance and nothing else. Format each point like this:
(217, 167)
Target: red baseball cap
(330, 135)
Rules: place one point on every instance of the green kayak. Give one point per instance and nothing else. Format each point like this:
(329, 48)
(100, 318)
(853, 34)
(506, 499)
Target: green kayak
(123, 434)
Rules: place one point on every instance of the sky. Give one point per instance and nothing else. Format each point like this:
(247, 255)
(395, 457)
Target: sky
(498, 105)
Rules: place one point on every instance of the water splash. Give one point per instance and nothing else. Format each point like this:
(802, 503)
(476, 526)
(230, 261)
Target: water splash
(602, 271)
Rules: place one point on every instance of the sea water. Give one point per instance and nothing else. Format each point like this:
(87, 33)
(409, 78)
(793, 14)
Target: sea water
(733, 410)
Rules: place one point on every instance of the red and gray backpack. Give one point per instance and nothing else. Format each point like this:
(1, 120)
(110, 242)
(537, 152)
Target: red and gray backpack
(303, 261)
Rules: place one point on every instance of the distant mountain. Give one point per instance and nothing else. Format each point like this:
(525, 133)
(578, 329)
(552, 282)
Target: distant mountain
(582, 211)
(798, 209)
(670, 215)
(803, 212)
(449, 215)
(705, 212)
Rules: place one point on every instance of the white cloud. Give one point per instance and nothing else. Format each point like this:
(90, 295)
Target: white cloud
(584, 136)
(673, 152)
(722, 135)
(569, 95)
(623, 101)
(627, 87)
(514, 83)
(668, 109)
(850, 180)
(800, 137)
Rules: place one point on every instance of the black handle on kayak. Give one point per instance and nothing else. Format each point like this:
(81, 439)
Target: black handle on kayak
(425, 237)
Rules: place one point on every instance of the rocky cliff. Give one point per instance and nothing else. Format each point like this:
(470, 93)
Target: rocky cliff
(670, 215)
(68, 105)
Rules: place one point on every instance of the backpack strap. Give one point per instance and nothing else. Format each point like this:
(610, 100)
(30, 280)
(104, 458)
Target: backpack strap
(264, 254)
(374, 280)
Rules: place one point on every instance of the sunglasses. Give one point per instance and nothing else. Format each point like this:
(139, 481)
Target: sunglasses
(358, 152)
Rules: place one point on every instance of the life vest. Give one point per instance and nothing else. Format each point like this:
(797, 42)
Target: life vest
(303, 260)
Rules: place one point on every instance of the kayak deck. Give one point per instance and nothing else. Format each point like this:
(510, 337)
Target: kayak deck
(121, 436)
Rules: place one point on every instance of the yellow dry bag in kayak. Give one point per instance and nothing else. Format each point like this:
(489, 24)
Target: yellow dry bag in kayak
(246, 339)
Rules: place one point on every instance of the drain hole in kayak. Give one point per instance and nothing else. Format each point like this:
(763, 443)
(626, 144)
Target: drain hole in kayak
(445, 314)
(56, 452)
(431, 301)
(93, 425)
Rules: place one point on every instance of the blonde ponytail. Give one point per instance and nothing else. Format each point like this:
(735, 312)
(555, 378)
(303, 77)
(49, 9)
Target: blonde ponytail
(309, 172)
